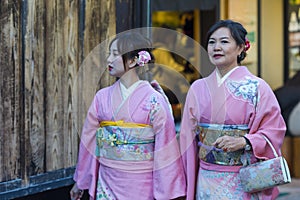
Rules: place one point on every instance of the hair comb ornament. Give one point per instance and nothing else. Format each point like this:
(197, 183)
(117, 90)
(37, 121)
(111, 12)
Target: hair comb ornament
(144, 57)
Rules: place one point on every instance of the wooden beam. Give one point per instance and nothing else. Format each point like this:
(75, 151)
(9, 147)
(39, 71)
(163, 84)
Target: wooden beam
(39, 183)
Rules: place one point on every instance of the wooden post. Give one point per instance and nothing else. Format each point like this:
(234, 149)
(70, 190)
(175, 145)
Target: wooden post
(296, 157)
(11, 93)
(33, 40)
(287, 152)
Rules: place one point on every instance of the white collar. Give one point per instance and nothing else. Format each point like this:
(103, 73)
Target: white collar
(127, 91)
(220, 79)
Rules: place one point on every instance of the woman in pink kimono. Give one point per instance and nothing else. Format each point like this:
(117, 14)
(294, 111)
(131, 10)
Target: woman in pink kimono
(128, 146)
(225, 118)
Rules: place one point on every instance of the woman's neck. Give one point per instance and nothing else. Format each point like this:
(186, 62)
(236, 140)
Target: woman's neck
(129, 78)
(224, 70)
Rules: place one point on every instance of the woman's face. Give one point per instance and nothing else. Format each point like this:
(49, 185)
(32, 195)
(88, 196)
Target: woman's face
(114, 61)
(222, 49)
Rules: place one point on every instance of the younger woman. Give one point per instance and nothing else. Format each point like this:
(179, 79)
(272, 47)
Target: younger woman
(137, 152)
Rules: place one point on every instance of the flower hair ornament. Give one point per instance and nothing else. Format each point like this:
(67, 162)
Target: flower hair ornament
(247, 44)
(144, 57)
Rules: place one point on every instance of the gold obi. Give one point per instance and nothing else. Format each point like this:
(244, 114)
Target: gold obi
(208, 134)
(125, 141)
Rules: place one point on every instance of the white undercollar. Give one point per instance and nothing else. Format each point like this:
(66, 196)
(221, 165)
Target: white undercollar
(127, 91)
(220, 79)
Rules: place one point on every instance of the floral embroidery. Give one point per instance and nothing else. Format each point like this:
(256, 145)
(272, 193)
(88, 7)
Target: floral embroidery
(261, 175)
(276, 177)
(211, 186)
(112, 139)
(245, 89)
(153, 106)
(104, 193)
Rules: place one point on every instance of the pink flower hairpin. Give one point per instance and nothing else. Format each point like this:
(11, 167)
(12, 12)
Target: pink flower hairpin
(144, 57)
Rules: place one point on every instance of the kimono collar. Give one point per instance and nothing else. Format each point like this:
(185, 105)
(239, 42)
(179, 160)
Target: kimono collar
(127, 91)
(220, 79)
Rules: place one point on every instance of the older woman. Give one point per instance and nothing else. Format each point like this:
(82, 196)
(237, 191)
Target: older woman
(225, 118)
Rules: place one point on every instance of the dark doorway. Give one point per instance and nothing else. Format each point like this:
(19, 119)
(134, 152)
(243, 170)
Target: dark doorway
(59, 194)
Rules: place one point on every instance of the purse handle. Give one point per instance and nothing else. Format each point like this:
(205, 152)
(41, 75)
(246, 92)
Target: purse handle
(273, 149)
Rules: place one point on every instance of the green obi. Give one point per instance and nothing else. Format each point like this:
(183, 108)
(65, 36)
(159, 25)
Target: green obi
(125, 141)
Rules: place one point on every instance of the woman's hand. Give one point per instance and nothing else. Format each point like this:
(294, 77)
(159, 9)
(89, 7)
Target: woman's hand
(76, 193)
(230, 143)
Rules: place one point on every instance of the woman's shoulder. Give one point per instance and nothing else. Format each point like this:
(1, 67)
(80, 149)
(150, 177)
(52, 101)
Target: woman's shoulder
(249, 75)
(152, 89)
(262, 84)
(105, 90)
(199, 82)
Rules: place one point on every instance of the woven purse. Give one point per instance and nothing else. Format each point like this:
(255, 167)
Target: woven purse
(265, 174)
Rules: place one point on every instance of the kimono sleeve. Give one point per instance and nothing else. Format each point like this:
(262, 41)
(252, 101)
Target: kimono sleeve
(87, 165)
(168, 175)
(188, 145)
(266, 121)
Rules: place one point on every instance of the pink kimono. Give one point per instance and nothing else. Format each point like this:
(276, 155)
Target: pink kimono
(239, 99)
(161, 177)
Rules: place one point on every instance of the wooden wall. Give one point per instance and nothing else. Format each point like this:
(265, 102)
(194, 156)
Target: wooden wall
(42, 46)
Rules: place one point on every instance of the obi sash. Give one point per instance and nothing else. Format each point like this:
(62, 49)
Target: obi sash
(125, 141)
(208, 134)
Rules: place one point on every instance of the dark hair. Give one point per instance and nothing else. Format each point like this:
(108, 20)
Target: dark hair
(130, 44)
(238, 32)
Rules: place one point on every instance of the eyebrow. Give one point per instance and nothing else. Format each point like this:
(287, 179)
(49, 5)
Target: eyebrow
(225, 37)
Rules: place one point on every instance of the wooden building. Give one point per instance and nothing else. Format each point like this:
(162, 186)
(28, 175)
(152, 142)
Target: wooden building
(43, 44)
(44, 87)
